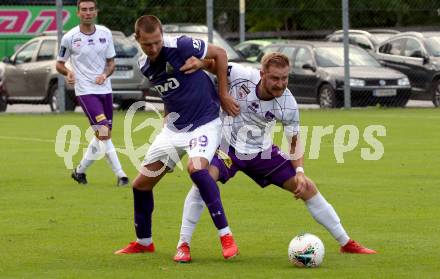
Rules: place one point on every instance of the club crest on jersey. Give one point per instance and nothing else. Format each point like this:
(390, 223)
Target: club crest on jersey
(243, 92)
(102, 40)
(77, 42)
(197, 44)
(269, 116)
(254, 106)
(169, 68)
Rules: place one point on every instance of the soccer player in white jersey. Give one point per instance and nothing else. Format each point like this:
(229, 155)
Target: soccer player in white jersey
(91, 52)
(263, 98)
(193, 126)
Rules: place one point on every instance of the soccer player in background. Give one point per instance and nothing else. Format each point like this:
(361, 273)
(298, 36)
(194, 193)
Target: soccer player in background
(91, 51)
(193, 126)
(247, 146)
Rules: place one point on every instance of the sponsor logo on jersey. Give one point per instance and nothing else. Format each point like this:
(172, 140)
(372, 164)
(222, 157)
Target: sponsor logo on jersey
(197, 44)
(170, 84)
(77, 42)
(169, 68)
(243, 92)
(90, 42)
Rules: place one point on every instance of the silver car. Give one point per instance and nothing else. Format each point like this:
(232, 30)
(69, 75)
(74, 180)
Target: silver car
(29, 75)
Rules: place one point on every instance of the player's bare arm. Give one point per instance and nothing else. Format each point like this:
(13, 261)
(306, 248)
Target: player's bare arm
(62, 69)
(108, 71)
(228, 103)
(298, 163)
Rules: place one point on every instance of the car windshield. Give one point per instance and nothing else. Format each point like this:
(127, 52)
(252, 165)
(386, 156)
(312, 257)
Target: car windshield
(217, 40)
(334, 57)
(124, 47)
(433, 46)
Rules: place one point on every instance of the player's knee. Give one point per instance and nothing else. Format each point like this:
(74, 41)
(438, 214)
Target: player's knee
(103, 132)
(197, 164)
(139, 184)
(310, 191)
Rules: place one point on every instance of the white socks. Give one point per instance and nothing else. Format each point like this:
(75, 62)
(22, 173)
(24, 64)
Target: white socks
(192, 210)
(325, 215)
(95, 151)
(145, 241)
(112, 158)
(318, 207)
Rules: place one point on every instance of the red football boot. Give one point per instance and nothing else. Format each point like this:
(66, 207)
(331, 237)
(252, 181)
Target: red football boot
(135, 247)
(183, 254)
(229, 248)
(355, 248)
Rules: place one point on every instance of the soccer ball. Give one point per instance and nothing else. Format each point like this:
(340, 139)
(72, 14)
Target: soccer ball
(306, 250)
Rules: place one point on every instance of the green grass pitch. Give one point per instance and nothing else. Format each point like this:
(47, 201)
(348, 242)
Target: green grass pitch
(50, 227)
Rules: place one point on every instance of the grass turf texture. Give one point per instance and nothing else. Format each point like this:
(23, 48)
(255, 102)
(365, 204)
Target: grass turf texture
(51, 227)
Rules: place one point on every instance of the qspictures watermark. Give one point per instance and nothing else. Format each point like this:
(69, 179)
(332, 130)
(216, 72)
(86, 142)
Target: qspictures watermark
(345, 139)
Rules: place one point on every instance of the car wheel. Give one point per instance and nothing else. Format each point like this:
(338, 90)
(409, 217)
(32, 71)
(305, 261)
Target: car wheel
(400, 102)
(3, 101)
(70, 103)
(436, 93)
(327, 97)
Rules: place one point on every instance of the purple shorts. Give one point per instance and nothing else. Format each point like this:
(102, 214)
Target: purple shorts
(266, 168)
(98, 108)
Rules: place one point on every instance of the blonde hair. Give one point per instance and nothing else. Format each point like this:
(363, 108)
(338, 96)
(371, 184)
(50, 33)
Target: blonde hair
(276, 59)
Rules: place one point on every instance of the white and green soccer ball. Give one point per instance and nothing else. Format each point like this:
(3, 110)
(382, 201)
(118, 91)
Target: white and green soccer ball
(306, 250)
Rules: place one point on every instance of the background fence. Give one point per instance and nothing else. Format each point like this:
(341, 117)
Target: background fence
(287, 19)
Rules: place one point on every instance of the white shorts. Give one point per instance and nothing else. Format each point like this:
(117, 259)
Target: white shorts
(169, 146)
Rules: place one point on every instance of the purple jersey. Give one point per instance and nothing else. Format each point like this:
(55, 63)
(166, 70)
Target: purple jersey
(192, 96)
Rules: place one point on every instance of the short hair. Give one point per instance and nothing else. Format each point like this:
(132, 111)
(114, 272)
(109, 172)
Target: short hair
(147, 24)
(81, 1)
(276, 59)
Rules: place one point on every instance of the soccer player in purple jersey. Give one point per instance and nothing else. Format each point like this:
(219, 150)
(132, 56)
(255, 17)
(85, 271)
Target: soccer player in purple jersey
(193, 126)
(263, 98)
(91, 51)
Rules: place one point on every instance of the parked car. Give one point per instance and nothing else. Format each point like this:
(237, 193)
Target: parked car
(317, 75)
(251, 49)
(418, 56)
(29, 75)
(368, 40)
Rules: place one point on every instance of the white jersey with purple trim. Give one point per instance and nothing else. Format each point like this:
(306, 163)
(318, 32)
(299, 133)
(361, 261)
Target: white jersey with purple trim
(251, 131)
(88, 55)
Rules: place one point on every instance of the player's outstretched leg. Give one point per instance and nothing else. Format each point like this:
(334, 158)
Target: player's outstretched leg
(211, 196)
(192, 210)
(143, 210)
(324, 214)
(93, 152)
(113, 161)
